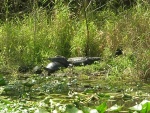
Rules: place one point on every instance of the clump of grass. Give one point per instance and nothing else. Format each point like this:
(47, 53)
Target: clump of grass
(95, 40)
(61, 30)
(131, 30)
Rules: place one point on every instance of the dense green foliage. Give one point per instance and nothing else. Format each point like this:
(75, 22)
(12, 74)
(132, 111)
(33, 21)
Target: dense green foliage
(37, 35)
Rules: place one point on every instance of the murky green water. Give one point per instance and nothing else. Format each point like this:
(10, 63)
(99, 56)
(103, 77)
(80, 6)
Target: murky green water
(85, 90)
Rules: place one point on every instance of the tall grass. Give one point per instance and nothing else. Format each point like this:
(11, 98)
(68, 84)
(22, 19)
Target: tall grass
(58, 33)
(130, 30)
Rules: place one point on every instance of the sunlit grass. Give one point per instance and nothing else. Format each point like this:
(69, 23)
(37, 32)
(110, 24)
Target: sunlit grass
(39, 35)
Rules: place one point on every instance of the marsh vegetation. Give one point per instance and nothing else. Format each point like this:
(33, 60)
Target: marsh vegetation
(33, 31)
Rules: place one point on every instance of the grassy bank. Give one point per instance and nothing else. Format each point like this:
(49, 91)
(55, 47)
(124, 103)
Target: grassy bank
(39, 35)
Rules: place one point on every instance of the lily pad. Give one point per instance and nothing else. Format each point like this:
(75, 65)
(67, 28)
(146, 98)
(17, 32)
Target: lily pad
(143, 107)
(102, 108)
(115, 108)
(72, 109)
